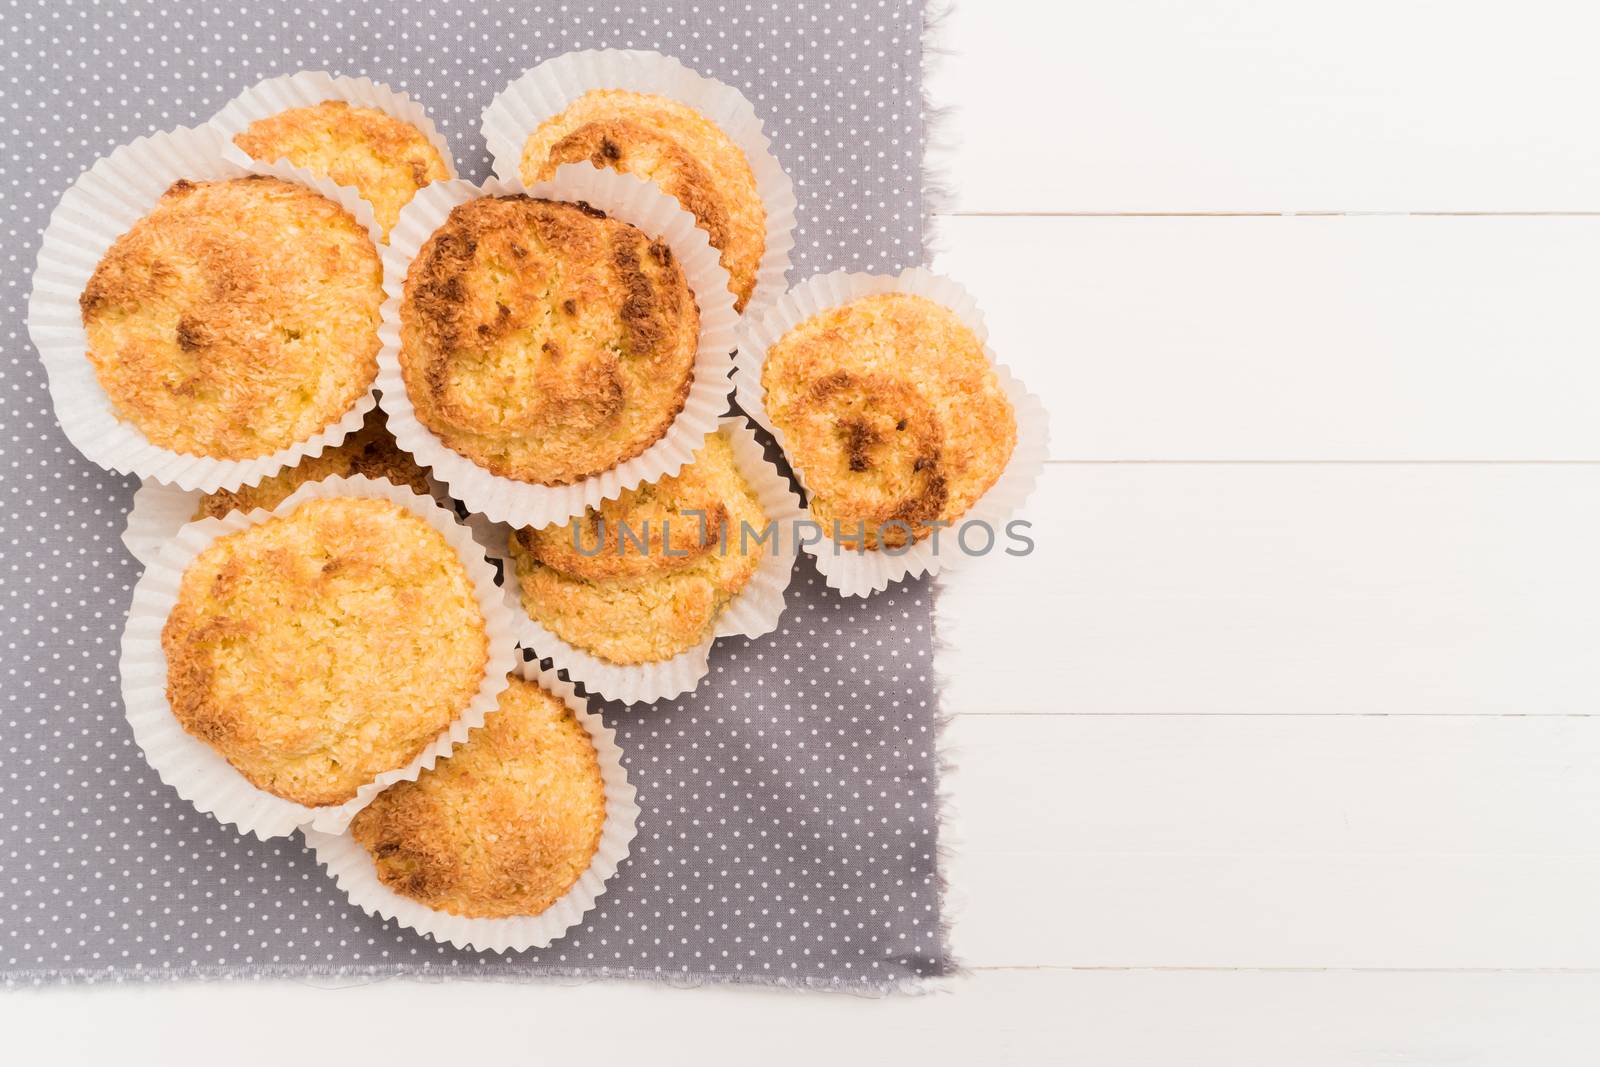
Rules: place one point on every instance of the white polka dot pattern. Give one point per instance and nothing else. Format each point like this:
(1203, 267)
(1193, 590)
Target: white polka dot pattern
(788, 821)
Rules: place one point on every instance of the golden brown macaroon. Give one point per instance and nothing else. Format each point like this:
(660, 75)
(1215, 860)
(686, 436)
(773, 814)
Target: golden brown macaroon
(644, 577)
(237, 318)
(369, 452)
(504, 826)
(892, 413)
(384, 158)
(544, 341)
(318, 650)
(677, 148)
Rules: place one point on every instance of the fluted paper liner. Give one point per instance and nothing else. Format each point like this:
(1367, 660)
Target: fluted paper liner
(754, 612)
(546, 90)
(197, 771)
(856, 572)
(100, 206)
(307, 88)
(160, 511)
(352, 869)
(620, 196)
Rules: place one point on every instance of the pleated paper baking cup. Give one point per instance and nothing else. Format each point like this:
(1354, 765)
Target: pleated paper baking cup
(753, 613)
(620, 196)
(856, 572)
(547, 90)
(307, 88)
(352, 869)
(160, 511)
(197, 771)
(101, 205)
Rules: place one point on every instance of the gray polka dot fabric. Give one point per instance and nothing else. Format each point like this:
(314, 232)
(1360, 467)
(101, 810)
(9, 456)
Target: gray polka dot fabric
(789, 807)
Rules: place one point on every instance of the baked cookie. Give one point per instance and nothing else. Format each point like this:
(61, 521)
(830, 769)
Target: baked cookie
(384, 158)
(237, 318)
(677, 148)
(544, 341)
(318, 650)
(504, 826)
(644, 577)
(369, 452)
(892, 413)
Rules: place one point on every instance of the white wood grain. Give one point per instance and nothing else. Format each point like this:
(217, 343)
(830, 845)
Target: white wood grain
(1287, 589)
(1160, 1018)
(1004, 1016)
(1296, 338)
(1277, 841)
(1253, 1019)
(1260, 105)
(1410, 783)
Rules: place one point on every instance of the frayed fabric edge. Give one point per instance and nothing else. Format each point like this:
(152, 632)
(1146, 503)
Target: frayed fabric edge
(937, 146)
(947, 845)
(312, 974)
(938, 143)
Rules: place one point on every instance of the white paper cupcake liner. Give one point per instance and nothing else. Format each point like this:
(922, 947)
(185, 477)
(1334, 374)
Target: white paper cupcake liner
(856, 572)
(753, 613)
(546, 90)
(196, 770)
(308, 88)
(101, 205)
(352, 869)
(160, 511)
(620, 196)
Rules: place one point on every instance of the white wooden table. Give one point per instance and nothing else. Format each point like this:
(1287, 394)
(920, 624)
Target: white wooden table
(1283, 747)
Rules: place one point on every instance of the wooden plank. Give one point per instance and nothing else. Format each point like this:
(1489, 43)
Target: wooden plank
(1253, 1019)
(1286, 589)
(1000, 1015)
(1277, 842)
(1230, 1019)
(1296, 338)
(1223, 105)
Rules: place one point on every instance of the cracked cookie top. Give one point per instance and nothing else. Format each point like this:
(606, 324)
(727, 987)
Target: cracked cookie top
(318, 650)
(677, 148)
(236, 319)
(544, 341)
(892, 412)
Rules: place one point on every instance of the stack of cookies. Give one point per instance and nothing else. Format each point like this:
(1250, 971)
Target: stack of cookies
(393, 425)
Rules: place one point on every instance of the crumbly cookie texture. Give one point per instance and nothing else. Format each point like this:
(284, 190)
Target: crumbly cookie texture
(369, 452)
(237, 318)
(655, 590)
(504, 826)
(544, 341)
(674, 146)
(384, 158)
(893, 414)
(318, 650)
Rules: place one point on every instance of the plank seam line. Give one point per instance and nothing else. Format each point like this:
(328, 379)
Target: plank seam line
(1314, 214)
(1113, 968)
(1323, 462)
(1536, 715)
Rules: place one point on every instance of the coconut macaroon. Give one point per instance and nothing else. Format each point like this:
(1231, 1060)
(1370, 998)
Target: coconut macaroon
(677, 148)
(644, 577)
(892, 414)
(384, 158)
(318, 650)
(370, 452)
(505, 825)
(544, 341)
(237, 318)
